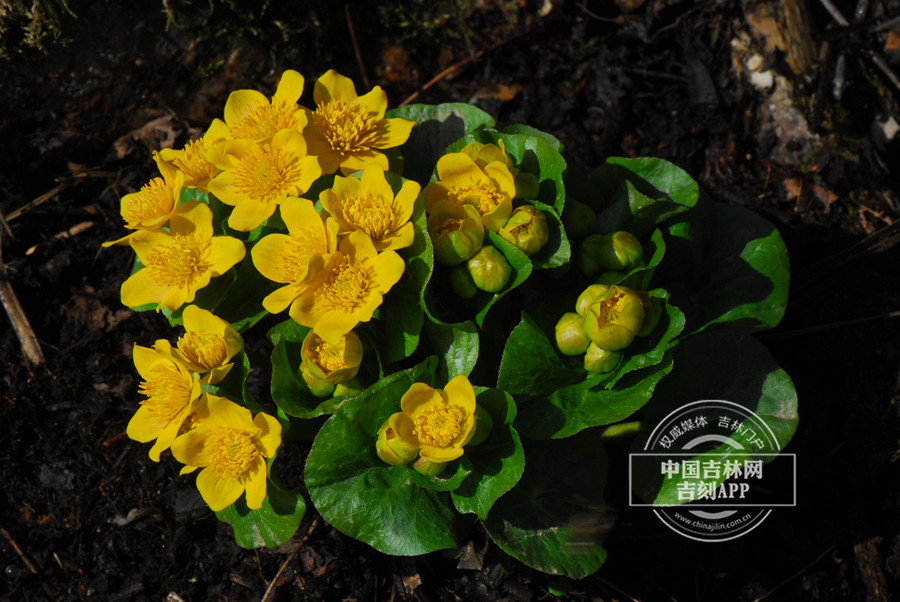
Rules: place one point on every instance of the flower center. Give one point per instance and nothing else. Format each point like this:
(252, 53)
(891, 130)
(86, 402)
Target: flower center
(193, 163)
(346, 287)
(604, 306)
(450, 224)
(167, 391)
(297, 251)
(154, 199)
(329, 357)
(440, 425)
(371, 215)
(203, 349)
(346, 125)
(233, 452)
(483, 198)
(177, 262)
(264, 120)
(267, 174)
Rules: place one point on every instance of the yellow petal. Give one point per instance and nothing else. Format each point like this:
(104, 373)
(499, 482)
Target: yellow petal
(218, 493)
(192, 217)
(405, 201)
(250, 213)
(290, 88)
(459, 391)
(372, 182)
(418, 397)
(374, 102)
(300, 215)
(392, 132)
(142, 428)
(404, 237)
(270, 434)
(167, 435)
(190, 448)
(277, 301)
(224, 413)
(403, 426)
(268, 256)
(241, 102)
(145, 359)
(255, 483)
(389, 266)
(458, 170)
(434, 193)
(196, 319)
(224, 253)
(140, 289)
(358, 160)
(333, 86)
(440, 454)
(333, 325)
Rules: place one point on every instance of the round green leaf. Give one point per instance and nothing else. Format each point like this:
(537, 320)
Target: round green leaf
(536, 522)
(289, 391)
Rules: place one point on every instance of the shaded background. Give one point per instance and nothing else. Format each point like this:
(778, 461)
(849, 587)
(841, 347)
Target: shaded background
(789, 113)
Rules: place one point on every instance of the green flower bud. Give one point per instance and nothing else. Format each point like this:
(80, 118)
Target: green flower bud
(391, 448)
(483, 425)
(588, 295)
(429, 468)
(652, 313)
(332, 363)
(527, 186)
(613, 318)
(526, 229)
(461, 282)
(456, 231)
(570, 336)
(489, 269)
(600, 360)
(616, 251)
(318, 386)
(579, 219)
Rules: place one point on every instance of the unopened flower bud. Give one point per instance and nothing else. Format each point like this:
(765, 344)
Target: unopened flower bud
(616, 251)
(332, 363)
(527, 186)
(461, 282)
(429, 468)
(652, 313)
(600, 360)
(391, 448)
(570, 336)
(318, 386)
(489, 269)
(587, 296)
(613, 318)
(456, 231)
(579, 219)
(526, 229)
(483, 425)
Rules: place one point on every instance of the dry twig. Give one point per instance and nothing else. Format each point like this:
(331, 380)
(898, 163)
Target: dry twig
(270, 591)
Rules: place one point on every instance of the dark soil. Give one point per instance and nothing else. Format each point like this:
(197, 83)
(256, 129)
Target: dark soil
(85, 513)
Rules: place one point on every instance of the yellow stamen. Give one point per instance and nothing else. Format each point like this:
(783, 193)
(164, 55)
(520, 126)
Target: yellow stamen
(154, 199)
(297, 252)
(207, 350)
(167, 393)
(371, 215)
(267, 175)
(346, 287)
(193, 163)
(264, 120)
(450, 224)
(177, 262)
(233, 452)
(483, 198)
(347, 127)
(330, 358)
(439, 425)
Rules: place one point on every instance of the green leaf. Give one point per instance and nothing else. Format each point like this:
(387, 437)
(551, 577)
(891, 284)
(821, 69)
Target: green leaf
(271, 525)
(571, 409)
(747, 273)
(536, 521)
(404, 305)
(242, 304)
(289, 391)
(456, 346)
(638, 194)
(521, 128)
(367, 499)
(498, 461)
(437, 126)
(721, 364)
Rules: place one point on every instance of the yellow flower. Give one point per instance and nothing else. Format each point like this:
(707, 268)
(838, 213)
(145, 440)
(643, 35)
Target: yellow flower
(181, 261)
(249, 114)
(332, 363)
(485, 154)
(257, 177)
(151, 207)
(231, 446)
(192, 160)
(172, 392)
(456, 231)
(348, 289)
(368, 204)
(437, 422)
(286, 258)
(208, 344)
(347, 131)
(463, 182)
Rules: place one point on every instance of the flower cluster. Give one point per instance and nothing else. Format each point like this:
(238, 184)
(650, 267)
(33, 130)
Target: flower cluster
(474, 193)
